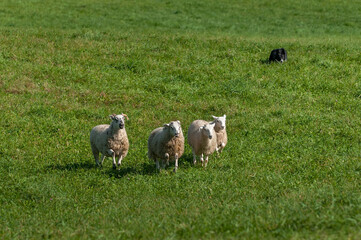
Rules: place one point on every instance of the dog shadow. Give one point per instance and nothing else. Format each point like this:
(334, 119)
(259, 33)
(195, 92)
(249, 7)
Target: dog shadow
(264, 61)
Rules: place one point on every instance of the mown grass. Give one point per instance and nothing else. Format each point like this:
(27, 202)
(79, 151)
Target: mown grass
(291, 168)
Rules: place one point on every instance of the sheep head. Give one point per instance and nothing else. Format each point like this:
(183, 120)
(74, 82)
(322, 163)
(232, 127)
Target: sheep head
(118, 120)
(174, 128)
(207, 130)
(220, 122)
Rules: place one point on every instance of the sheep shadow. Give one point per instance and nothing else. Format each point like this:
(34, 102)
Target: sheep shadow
(186, 161)
(71, 166)
(119, 173)
(145, 169)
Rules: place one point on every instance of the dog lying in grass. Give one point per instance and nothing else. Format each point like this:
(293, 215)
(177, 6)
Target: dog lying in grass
(278, 55)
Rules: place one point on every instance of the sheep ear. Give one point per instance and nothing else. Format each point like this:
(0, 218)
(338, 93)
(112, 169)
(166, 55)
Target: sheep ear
(112, 116)
(178, 121)
(224, 115)
(214, 117)
(166, 125)
(125, 115)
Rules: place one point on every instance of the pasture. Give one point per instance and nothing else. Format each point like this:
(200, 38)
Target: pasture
(291, 169)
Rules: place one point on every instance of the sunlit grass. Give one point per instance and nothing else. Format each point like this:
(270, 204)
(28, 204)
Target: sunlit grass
(291, 168)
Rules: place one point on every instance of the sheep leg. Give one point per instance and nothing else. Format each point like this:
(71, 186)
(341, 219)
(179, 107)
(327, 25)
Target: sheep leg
(222, 147)
(206, 161)
(217, 150)
(194, 157)
(96, 156)
(202, 159)
(120, 160)
(114, 162)
(102, 160)
(112, 154)
(157, 164)
(176, 162)
(167, 159)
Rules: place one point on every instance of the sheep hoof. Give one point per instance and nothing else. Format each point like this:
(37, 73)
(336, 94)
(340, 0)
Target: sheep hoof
(175, 170)
(114, 166)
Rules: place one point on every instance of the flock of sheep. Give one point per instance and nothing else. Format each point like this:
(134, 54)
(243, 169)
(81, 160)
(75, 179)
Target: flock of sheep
(167, 142)
(164, 143)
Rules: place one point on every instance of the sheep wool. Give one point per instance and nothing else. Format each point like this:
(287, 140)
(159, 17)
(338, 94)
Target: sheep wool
(166, 143)
(221, 133)
(202, 139)
(110, 140)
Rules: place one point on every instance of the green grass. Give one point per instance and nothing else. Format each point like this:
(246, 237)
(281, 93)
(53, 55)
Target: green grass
(291, 169)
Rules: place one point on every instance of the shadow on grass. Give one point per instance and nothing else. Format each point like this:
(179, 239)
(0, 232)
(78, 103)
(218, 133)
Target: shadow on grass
(147, 168)
(264, 61)
(72, 166)
(187, 160)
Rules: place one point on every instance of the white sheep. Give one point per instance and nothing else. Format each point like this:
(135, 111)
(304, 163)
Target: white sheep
(221, 133)
(166, 143)
(110, 140)
(202, 139)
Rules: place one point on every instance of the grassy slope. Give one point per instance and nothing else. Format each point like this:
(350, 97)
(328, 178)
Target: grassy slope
(292, 165)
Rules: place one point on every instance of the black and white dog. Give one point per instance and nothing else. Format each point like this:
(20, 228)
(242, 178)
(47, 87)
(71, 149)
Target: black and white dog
(278, 55)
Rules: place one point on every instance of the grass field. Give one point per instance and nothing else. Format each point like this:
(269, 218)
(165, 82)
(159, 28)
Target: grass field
(291, 169)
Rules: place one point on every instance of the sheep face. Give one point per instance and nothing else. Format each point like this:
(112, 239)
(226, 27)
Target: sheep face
(220, 122)
(207, 130)
(118, 120)
(174, 128)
